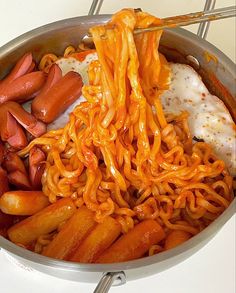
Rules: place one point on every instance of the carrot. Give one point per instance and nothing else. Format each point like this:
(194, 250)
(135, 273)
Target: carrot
(43, 222)
(134, 244)
(23, 203)
(176, 237)
(99, 239)
(71, 235)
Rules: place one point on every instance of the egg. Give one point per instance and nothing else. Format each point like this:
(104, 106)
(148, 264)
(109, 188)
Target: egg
(208, 119)
(78, 65)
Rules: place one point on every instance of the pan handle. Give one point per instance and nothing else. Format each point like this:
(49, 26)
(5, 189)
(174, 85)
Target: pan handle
(109, 279)
(204, 26)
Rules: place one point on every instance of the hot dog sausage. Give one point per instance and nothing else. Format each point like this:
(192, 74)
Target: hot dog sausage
(2, 151)
(13, 162)
(22, 88)
(11, 131)
(48, 106)
(17, 174)
(28, 121)
(4, 187)
(31, 68)
(54, 75)
(43, 222)
(24, 65)
(36, 166)
(19, 179)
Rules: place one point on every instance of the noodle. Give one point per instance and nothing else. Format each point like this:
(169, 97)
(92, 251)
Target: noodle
(119, 154)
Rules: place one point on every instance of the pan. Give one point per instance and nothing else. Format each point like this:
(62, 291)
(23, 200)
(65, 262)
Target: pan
(178, 45)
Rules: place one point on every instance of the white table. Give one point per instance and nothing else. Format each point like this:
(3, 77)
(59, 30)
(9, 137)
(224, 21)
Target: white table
(210, 270)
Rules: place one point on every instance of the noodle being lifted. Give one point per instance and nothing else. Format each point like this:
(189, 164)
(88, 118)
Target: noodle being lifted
(122, 164)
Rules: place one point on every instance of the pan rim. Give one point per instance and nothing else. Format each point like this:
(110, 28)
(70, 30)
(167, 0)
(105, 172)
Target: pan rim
(195, 242)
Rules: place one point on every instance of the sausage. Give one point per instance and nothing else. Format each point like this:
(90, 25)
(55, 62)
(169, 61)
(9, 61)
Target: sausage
(25, 119)
(98, 240)
(20, 180)
(28, 121)
(36, 167)
(2, 151)
(12, 132)
(4, 186)
(48, 106)
(43, 222)
(54, 75)
(17, 174)
(134, 244)
(24, 65)
(176, 237)
(71, 235)
(23, 203)
(13, 162)
(31, 68)
(22, 88)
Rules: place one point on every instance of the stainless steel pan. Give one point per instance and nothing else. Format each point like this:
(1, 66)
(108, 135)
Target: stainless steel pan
(179, 46)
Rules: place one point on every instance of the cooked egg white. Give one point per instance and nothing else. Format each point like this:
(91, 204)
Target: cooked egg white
(209, 119)
(72, 64)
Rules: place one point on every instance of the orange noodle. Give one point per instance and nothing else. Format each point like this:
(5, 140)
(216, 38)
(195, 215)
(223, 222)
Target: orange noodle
(120, 154)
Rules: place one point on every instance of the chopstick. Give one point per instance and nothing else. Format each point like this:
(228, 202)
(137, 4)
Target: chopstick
(191, 18)
(182, 20)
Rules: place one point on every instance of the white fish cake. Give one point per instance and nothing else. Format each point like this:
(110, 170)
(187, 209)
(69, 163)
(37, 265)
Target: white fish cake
(209, 119)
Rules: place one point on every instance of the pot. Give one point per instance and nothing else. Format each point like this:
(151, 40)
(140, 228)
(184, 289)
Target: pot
(178, 45)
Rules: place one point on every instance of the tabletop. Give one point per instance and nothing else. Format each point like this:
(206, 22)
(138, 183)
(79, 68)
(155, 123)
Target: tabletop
(212, 269)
